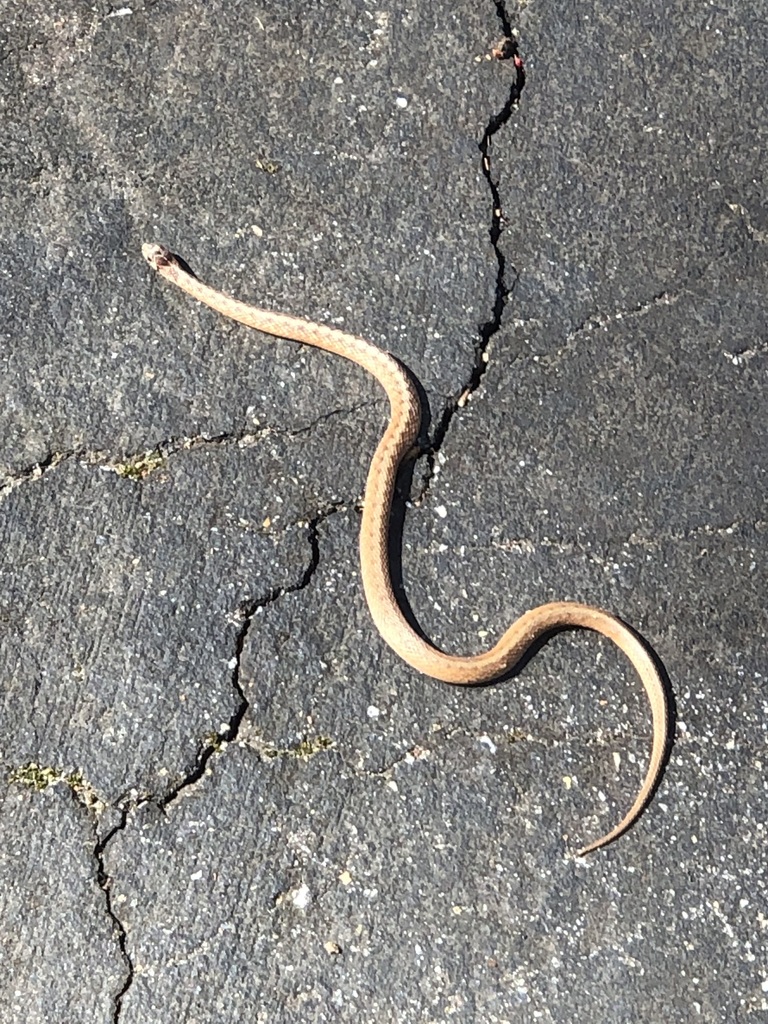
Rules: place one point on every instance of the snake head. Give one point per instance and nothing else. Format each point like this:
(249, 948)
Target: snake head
(157, 256)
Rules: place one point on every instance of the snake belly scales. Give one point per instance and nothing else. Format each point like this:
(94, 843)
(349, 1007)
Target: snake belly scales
(398, 440)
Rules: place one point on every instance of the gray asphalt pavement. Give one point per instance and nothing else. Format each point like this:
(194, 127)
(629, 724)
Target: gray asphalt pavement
(223, 798)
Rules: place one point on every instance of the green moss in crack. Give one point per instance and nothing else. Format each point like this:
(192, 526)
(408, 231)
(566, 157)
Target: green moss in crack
(141, 466)
(35, 776)
(307, 747)
(85, 793)
(40, 776)
(213, 741)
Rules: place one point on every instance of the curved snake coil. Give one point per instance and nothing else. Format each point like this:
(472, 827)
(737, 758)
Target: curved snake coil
(397, 442)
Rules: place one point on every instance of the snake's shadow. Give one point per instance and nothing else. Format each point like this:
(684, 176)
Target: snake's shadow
(395, 552)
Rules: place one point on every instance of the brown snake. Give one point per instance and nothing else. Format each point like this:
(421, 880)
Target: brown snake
(397, 442)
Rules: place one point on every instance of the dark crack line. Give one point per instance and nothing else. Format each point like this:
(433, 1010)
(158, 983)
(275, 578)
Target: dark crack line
(506, 274)
(510, 49)
(105, 884)
(247, 611)
(53, 459)
(167, 448)
(332, 414)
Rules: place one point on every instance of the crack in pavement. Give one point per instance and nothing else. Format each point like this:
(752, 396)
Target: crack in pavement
(437, 742)
(597, 321)
(298, 431)
(39, 777)
(214, 745)
(706, 530)
(528, 546)
(10, 481)
(247, 612)
(105, 884)
(678, 288)
(504, 268)
(142, 463)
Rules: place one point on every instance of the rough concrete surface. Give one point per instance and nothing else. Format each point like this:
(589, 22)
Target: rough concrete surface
(223, 798)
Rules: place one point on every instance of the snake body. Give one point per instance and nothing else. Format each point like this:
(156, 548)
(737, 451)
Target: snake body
(398, 440)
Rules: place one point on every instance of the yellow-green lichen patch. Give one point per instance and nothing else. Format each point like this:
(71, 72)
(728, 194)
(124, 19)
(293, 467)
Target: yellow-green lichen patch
(40, 776)
(141, 466)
